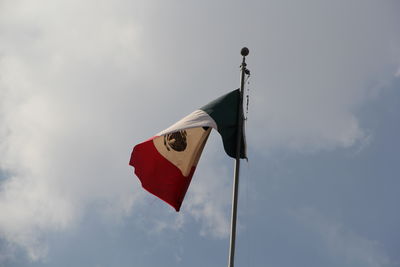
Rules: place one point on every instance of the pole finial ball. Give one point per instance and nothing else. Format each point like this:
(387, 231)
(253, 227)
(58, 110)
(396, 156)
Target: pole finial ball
(244, 52)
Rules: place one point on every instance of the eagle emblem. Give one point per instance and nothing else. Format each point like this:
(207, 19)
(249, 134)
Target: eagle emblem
(176, 141)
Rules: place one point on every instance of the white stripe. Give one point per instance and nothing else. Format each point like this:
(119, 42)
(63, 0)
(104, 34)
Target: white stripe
(189, 157)
(197, 118)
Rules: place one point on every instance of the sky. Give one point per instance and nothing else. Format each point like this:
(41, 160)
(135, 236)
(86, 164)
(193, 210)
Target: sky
(82, 82)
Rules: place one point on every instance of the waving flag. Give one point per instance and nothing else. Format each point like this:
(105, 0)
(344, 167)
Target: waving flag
(165, 163)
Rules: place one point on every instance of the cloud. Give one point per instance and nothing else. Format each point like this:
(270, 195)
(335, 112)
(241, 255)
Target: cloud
(397, 74)
(62, 146)
(81, 82)
(208, 200)
(343, 243)
(322, 63)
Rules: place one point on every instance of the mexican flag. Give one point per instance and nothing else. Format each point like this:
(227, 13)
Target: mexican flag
(166, 162)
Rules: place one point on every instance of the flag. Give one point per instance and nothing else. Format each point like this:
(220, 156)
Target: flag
(165, 163)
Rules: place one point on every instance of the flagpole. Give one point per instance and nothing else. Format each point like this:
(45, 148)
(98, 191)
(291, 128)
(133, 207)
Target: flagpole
(244, 52)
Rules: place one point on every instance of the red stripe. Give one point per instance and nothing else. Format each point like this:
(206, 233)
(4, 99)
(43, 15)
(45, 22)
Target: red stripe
(159, 176)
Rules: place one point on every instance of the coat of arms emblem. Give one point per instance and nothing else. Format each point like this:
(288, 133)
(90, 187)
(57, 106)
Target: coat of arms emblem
(176, 141)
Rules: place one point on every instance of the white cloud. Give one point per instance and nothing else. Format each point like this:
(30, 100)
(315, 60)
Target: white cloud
(342, 243)
(61, 139)
(321, 64)
(29, 207)
(209, 196)
(80, 82)
(397, 74)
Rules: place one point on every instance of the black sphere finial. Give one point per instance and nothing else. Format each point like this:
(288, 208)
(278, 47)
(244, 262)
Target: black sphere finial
(244, 52)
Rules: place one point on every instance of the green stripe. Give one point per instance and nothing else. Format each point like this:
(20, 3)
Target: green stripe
(224, 110)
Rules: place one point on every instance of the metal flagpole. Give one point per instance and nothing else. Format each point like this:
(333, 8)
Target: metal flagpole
(244, 52)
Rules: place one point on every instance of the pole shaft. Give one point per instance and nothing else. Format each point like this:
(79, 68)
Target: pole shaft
(237, 169)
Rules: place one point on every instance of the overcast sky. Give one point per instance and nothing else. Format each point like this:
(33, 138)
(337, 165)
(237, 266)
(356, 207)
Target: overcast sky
(82, 82)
